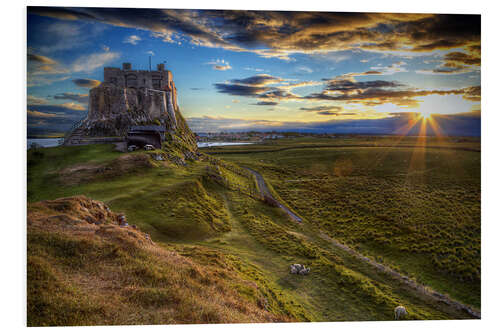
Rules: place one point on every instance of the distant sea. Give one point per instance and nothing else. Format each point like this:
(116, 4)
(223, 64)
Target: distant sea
(54, 142)
(218, 144)
(50, 142)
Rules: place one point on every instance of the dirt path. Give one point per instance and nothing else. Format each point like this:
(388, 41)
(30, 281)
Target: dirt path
(404, 279)
(419, 288)
(264, 190)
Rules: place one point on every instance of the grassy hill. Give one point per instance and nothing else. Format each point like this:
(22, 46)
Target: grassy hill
(208, 216)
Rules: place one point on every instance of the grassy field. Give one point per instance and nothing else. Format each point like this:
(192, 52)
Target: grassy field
(415, 209)
(422, 220)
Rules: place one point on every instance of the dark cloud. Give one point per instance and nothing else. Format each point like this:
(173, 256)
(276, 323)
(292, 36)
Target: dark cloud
(277, 93)
(372, 73)
(258, 80)
(458, 62)
(348, 90)
(454, 58)
(239, 90)
(40, 59)
(328, 113)
(51, 119)
(257, 86)
(472, 93)
(322, 108)
(86, 83)
(345, 85)
(277, 34)
(328, 110)
(375, 96)
(266, 103)
(81, 98)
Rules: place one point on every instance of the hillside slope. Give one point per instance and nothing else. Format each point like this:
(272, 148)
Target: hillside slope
(85, 269)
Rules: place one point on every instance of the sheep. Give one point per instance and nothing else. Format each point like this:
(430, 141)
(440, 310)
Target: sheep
(299, 269)
(399, 312)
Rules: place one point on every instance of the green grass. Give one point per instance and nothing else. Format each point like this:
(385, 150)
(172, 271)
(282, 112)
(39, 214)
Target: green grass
(410, 218)
(418, 209)
(137, 284)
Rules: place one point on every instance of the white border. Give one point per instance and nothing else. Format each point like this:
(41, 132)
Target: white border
(13, 125)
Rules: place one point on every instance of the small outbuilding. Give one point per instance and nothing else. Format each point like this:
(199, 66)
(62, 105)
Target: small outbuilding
(146, 135)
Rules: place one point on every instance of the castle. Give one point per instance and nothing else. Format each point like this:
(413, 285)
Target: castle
(126, 77)
(125, 100)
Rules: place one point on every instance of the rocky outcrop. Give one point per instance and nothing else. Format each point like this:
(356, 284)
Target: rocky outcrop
(113, 109)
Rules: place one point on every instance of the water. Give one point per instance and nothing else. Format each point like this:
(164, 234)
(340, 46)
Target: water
(51, 142)
(218, 144)
(54, 142)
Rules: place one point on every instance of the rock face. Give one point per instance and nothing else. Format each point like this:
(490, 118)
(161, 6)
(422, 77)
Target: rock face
(113, 109)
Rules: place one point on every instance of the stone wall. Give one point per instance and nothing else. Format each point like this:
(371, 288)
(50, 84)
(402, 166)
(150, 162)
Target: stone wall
(113, 109)
(130, 78)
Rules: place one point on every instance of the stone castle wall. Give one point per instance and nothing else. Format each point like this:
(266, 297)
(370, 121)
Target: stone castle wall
(127, 77)
(130, 97)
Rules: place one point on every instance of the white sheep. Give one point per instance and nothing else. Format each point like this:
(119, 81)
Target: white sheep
(399, 312)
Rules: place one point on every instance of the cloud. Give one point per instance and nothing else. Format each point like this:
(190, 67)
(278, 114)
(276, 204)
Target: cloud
(462, 58)
(74, 106)
(397, 67)
(370, 72)
(40, 65)
(52, 118)
(90, 62)
(34, 100)
(377, 92)
(254, 69)
(86, 83)
(468, 124)
(342, 89)
(38, 80)
(303, 69)
(239, 90)
(457, 63)
(38, 114)
(350, 86)
(43, 70)
(132, 39)
(41, 59)
(266, 103)
(472, 93)
(69, 108)
(80, 98)
(220, 65)
(254, 86)
(377, 96)
(258, 80)
(328, 113)
(326, 110)
(279, 34)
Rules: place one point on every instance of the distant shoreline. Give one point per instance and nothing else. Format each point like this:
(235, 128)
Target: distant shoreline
(54, 142)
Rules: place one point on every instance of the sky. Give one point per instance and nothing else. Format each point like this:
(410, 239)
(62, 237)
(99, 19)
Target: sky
(324, 72)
